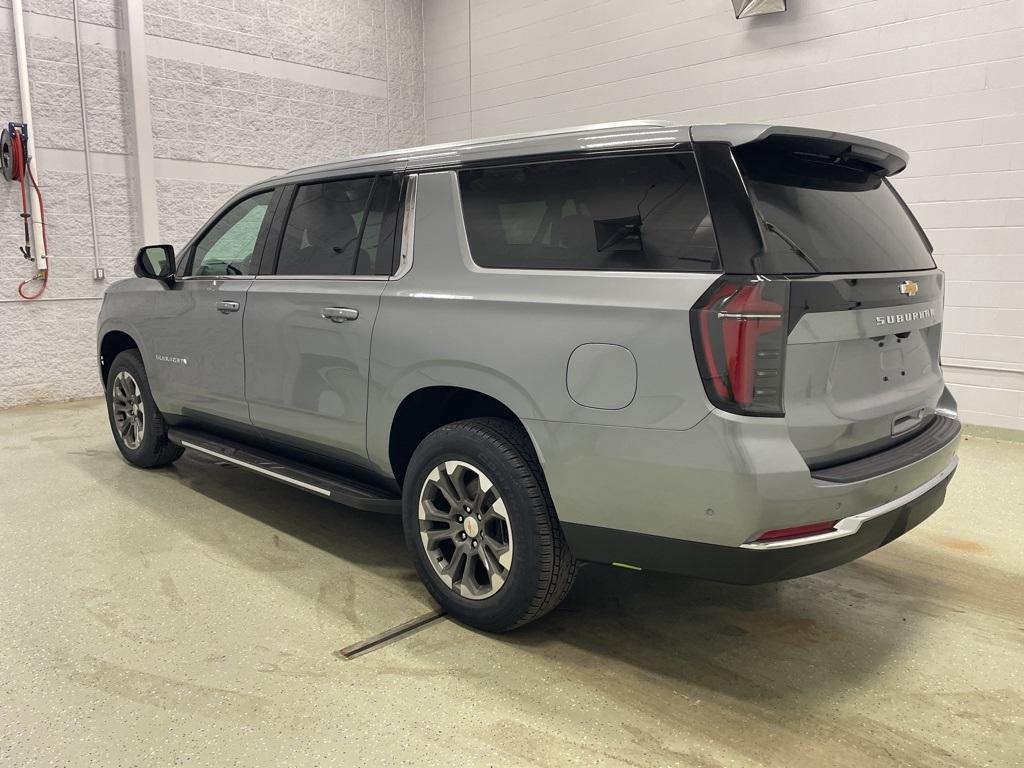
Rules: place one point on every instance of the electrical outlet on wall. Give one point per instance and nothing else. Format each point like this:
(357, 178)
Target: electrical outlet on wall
(98, 274)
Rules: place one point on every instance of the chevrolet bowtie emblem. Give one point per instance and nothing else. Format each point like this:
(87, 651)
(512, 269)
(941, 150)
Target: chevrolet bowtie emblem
(908, 288)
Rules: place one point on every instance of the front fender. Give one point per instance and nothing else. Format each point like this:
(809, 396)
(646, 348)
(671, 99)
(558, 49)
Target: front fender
(123, 303)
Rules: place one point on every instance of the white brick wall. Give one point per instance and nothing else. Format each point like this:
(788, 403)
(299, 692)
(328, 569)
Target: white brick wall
(942, 78)
(239, 89)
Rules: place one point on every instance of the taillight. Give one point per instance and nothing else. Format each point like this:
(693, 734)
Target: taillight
(739, 335)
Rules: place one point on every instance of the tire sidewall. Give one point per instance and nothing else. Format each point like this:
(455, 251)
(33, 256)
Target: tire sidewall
(513, 599)
(131, 362)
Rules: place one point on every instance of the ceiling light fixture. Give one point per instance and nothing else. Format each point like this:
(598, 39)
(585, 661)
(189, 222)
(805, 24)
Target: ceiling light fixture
(745, 8)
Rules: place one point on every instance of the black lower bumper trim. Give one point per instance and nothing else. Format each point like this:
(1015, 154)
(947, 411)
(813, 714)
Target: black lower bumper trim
(939, 433)
(736, 565)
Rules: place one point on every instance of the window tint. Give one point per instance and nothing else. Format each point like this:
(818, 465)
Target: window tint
(227, 248)
(322, 233)
(821, 216)
(378, 240)
(645, 212)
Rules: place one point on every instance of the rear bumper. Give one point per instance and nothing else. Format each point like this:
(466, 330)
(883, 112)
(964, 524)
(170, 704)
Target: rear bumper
(756, 563)
(725, 481)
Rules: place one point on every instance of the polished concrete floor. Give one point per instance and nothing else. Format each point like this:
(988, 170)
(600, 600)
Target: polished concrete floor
(190, 616)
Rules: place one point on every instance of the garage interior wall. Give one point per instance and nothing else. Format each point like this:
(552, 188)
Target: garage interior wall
(943, 79)
(238, 90)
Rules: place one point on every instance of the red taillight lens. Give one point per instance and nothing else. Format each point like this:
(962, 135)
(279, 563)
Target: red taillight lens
(739, 335)
(797, 531)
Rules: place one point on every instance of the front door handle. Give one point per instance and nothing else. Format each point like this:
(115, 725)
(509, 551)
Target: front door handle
(227, 306)
(339, 314)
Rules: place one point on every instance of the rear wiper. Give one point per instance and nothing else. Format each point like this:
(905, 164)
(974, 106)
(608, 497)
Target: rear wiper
(789, 241)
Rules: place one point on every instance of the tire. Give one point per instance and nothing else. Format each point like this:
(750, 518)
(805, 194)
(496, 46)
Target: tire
(147, 445)
(529, 568)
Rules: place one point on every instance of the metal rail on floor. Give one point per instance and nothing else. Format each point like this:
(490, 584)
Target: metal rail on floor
(390, 635)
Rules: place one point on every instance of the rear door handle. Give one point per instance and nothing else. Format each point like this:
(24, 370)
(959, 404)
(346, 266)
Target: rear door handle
(339, 314)
(227, 306)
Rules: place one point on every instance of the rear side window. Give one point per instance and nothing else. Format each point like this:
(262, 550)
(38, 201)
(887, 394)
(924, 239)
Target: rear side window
(342, 227)
(637, 213)
(378, 241)
(322, 233)
(821, 217)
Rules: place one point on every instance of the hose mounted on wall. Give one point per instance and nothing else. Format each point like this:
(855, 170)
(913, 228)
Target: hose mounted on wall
(16, 165)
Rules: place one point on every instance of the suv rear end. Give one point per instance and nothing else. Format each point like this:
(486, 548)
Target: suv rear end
(830, 429)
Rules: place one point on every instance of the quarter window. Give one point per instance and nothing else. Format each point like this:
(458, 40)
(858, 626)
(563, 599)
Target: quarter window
(643, 212)
(227, 247)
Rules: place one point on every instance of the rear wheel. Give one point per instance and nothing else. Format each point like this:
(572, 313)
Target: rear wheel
(481, 528)
(138, 426)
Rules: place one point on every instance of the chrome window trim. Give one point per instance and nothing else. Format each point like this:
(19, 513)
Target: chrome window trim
(214, 277)
(358, 278)
(408, 228)
(850, 525)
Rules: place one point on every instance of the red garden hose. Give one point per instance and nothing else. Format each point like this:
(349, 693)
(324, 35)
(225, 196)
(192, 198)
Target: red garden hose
(17, 167)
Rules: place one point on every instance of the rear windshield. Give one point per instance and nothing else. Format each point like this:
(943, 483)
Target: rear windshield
(821, 218)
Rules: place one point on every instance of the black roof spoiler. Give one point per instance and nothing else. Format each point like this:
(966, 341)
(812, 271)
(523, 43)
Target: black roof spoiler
(881, 158)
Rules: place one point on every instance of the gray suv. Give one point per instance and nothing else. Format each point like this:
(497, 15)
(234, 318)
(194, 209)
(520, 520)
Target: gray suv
(710, 350)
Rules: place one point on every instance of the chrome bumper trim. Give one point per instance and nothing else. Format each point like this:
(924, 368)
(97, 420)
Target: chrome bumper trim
(850, 525)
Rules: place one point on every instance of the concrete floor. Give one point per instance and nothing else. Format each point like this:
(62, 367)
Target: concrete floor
(189, 616)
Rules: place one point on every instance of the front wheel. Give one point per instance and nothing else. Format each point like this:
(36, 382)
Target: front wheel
(481, 527)
(138, 426)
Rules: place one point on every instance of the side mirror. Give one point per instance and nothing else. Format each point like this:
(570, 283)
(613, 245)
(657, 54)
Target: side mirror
(155, 262)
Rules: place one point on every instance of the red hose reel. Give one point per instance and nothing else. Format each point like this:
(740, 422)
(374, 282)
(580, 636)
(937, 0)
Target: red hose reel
(16, 165)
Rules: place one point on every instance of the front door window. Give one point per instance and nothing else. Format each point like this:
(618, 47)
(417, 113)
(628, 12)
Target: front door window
(227, 248)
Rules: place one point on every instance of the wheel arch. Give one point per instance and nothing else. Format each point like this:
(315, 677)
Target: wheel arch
(425, 409)
(112, 343)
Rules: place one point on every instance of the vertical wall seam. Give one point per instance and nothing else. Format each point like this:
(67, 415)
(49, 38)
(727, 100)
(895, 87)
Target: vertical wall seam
(469, 45)
(138, 75)
(387, 78)
(423, 70)
(90, 192)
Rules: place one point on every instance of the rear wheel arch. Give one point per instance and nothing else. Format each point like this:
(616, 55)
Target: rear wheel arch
(424, 410)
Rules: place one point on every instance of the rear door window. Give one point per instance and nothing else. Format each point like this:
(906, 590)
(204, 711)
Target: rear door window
(324, 224)
(819, 217)
(635, 213)
(378, 241)
(340, 227)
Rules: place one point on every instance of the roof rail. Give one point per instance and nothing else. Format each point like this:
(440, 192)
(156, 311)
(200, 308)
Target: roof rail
(572, 129)
(485, 140)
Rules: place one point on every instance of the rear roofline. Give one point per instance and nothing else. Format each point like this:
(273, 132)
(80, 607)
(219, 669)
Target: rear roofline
(887, 158)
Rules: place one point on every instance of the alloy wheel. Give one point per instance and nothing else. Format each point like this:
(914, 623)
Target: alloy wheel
(465, 530)
(129, 416)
